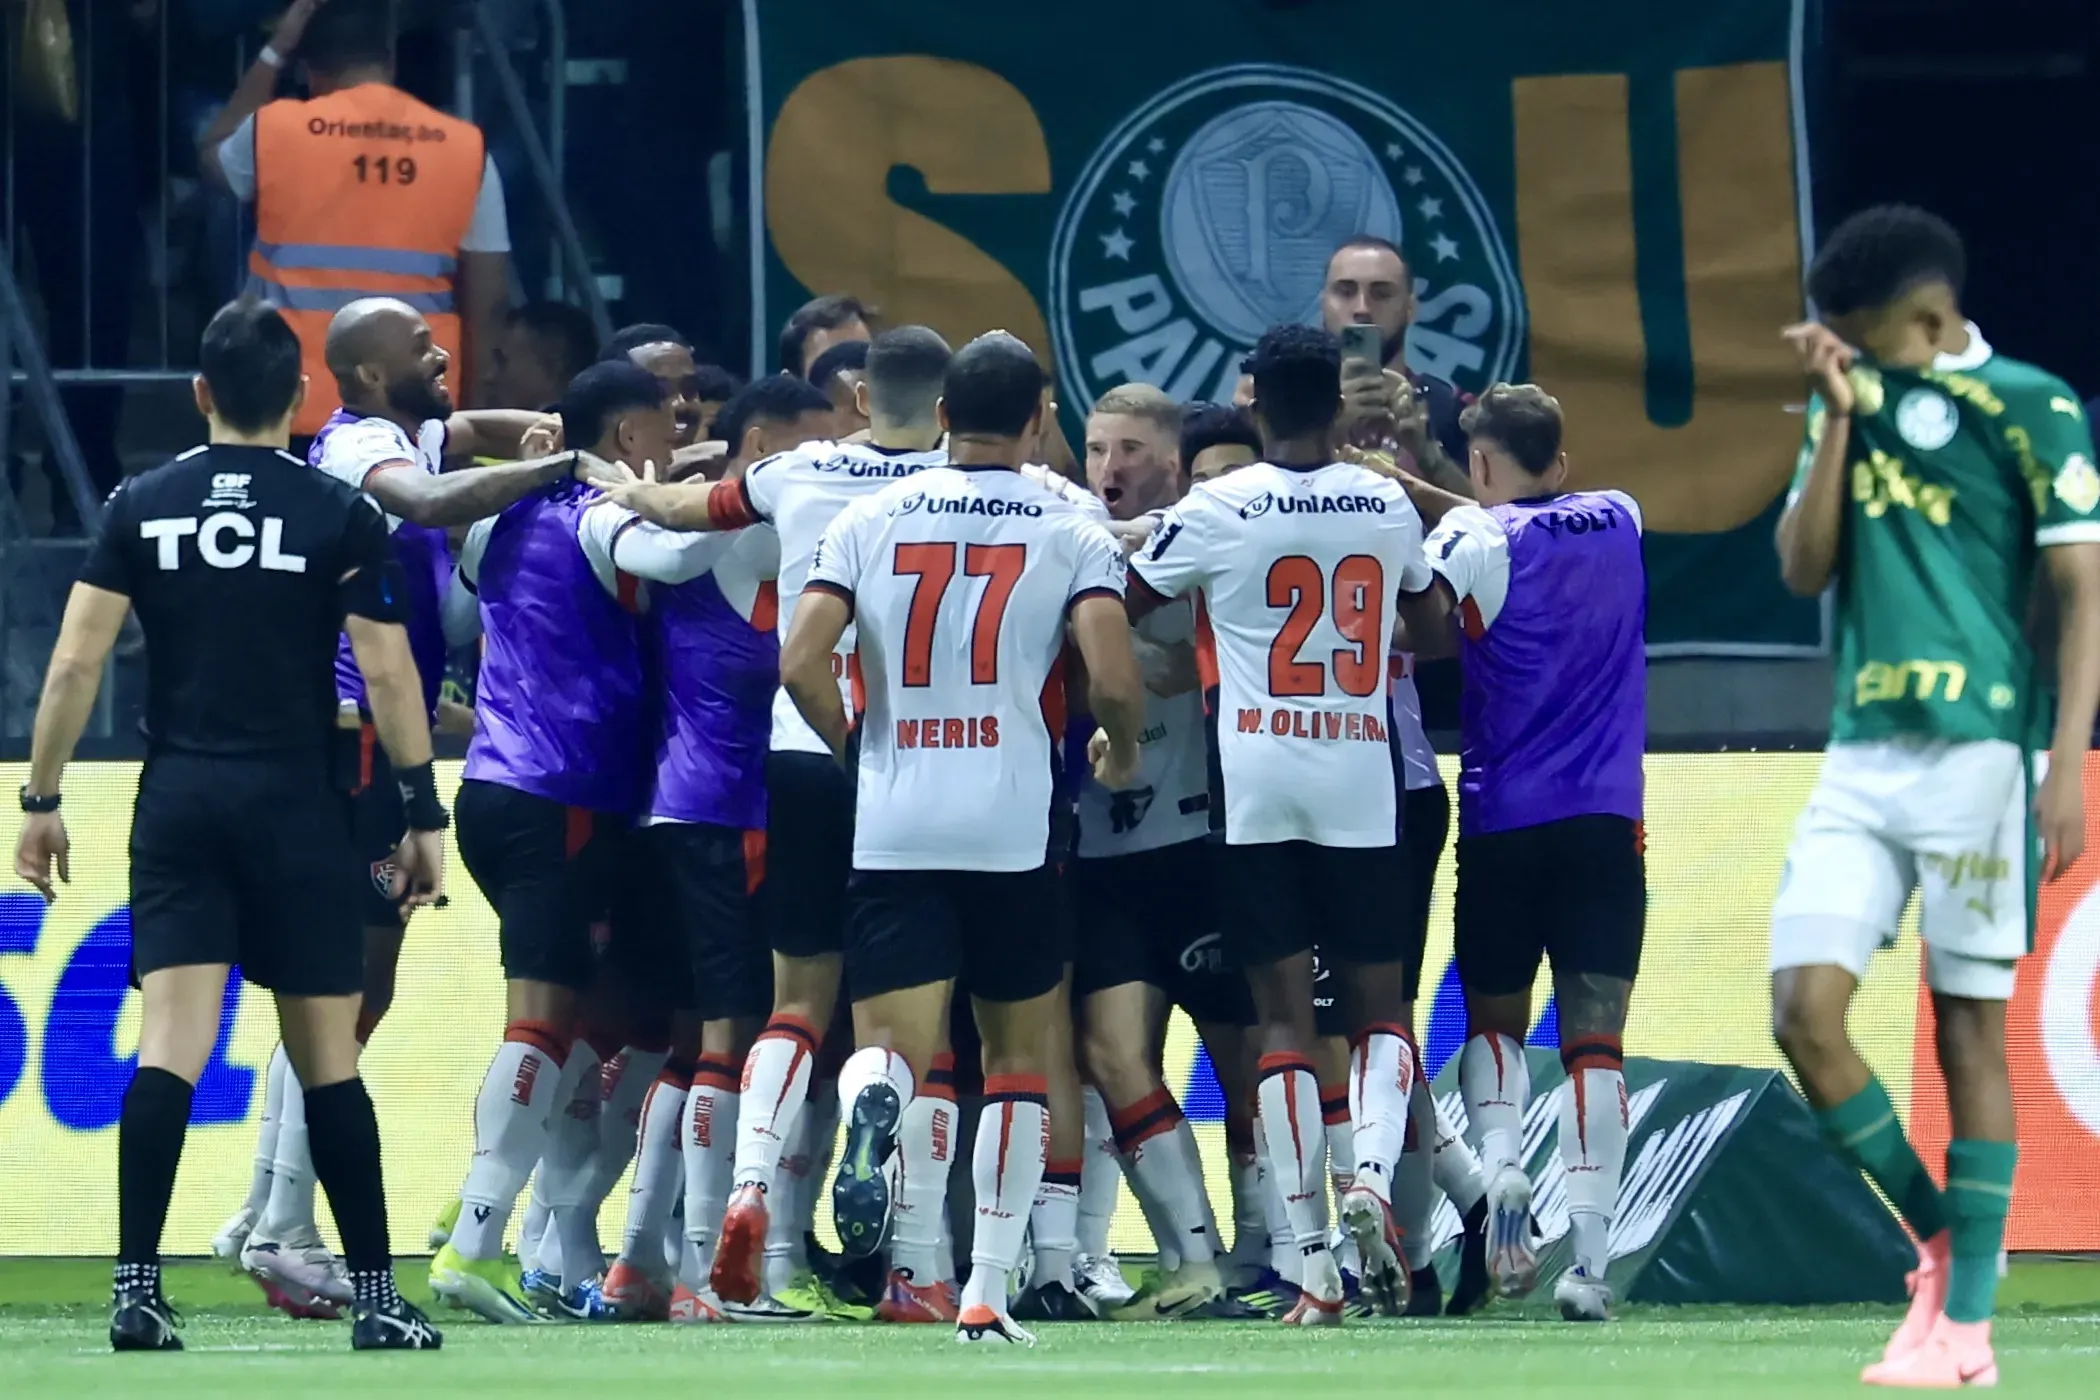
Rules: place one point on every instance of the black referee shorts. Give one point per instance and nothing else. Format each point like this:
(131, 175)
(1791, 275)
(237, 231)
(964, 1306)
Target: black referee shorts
(248, 861)
(377, 820)
(548, 870)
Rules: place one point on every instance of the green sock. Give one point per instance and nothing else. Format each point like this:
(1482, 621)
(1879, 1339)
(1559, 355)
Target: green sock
(1979, 1192)
(1866, 1131)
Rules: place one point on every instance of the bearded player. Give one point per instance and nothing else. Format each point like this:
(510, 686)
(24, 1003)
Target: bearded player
(1938, 479)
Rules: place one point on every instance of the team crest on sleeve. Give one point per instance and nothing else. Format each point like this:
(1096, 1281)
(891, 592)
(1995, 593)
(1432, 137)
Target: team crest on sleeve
(2078, 484)
(1209, 214)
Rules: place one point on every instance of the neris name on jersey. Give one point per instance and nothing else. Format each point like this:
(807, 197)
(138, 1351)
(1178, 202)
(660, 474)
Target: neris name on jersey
(1353, 726)
(975, 732)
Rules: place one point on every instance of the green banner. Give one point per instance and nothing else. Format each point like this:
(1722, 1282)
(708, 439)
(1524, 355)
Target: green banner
(1604, 198)
(1730, 1195)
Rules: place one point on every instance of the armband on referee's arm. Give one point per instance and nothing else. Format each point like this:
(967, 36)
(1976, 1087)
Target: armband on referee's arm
(419, 799)
(376, 592)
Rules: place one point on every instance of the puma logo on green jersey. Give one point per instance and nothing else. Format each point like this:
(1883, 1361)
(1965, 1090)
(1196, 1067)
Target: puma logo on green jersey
(1923, 680)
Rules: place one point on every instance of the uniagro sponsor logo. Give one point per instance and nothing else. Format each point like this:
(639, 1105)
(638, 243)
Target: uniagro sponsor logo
(1209, 214)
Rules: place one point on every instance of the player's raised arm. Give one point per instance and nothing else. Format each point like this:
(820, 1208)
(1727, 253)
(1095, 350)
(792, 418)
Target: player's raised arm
(460, 498)
(1809, 527)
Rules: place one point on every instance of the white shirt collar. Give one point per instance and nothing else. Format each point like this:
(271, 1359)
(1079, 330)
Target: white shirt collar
(1979, 350)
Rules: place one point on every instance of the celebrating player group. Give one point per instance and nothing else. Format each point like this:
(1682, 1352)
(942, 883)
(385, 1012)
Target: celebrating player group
(892, 782)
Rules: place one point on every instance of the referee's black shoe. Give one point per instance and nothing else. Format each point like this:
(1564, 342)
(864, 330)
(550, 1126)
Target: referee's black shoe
(397, 1325)
(141, 1320)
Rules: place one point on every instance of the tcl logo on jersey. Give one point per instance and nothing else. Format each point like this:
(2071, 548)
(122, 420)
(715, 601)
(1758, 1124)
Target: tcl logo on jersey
(223, 541)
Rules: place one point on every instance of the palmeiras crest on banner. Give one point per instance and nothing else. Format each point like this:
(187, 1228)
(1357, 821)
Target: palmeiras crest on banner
(1208, 215)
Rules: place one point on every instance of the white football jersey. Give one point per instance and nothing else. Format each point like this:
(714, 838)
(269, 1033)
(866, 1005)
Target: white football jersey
(1068, 491)
(960, 580)
(1417, 754)
(1296, 573)
(351, 450)
(799, 493)
(1169, 802)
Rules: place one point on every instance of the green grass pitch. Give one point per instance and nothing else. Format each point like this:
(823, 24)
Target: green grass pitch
(53, 1343)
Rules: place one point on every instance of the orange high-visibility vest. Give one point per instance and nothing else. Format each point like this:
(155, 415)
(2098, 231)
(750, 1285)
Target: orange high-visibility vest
(365, 192)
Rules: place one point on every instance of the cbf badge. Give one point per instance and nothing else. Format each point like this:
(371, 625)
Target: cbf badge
(1209, 215)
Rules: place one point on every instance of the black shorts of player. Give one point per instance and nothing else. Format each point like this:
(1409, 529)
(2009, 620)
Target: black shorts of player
(645, 944)
(377, 820)
(248, 861)
(809, 853)
(711, 877)
(1003, 934)
(549, 871)
(1280, 898)
(1151, 916)
(1574, 892)
(1425, 824)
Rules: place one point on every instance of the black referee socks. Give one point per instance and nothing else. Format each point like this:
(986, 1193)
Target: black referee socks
(149, 1148)
(342, 1133)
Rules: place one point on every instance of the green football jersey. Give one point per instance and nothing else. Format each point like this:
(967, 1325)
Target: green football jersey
(1959, 476)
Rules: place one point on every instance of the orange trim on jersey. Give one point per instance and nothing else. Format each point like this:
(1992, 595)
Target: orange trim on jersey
(1469, 620)
(1206, 649)
(729, 505)
(765, 607)
(627, 590)
(367, 739)
(754, 861)
(856, 686)
(1055, 703)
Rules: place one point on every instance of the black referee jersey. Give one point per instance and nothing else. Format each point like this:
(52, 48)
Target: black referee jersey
(241, 852)
(233, 558)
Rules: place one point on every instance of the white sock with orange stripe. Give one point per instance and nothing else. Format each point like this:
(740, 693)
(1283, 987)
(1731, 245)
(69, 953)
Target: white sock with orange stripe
(1158, 1155)
(775, 1085)
(628, 1077)
(1414, 1184)
(656, 1178)
(1593, 1144)
(1496, 1082)
(1341, 1167)
(926, 1139)
(1006, 1167)
(1296, 1143)
(565, 1170)
(1452, 1165)
(1100, 1173)
(707, 1145)
(1381, 1079)
(1283, 1249)
(512, 1118)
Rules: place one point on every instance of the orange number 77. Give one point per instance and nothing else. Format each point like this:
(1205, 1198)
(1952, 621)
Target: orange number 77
(999, 564)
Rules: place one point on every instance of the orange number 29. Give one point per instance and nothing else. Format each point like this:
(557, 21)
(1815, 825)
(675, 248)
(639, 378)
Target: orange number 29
(1357, 600)
(999, 565)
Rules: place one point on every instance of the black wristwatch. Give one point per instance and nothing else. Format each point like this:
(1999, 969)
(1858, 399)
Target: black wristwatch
(32, 802)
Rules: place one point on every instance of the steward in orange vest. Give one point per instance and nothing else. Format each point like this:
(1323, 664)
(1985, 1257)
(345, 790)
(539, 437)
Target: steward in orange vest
(362, 191)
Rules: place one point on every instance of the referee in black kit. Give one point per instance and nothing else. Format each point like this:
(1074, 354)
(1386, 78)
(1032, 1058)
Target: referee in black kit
(244, 565)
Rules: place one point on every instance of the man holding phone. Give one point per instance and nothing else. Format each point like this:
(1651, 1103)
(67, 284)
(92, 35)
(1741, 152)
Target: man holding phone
(1368, 303)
